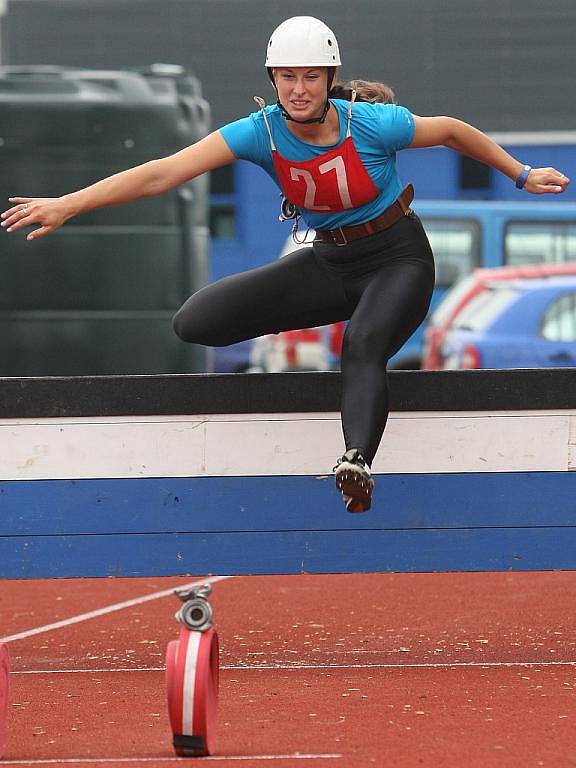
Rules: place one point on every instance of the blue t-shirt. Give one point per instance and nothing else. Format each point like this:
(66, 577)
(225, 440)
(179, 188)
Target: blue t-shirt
(378, 132)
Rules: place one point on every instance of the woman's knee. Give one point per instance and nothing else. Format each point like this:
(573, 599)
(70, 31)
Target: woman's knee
(195, 324)
(182, 326)
(366, 344)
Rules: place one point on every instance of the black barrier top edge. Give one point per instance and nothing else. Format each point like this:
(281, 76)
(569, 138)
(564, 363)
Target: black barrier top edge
(524, 389)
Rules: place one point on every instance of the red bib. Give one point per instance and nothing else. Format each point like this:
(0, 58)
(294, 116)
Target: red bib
(334, 181)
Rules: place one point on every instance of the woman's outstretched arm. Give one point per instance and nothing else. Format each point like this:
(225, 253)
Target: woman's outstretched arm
(152, 178)
(464, 138)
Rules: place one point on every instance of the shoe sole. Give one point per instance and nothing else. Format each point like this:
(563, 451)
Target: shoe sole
(357, 486)
(354, 506)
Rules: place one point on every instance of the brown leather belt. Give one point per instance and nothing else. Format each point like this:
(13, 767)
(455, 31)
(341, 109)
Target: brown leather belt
(343, 235)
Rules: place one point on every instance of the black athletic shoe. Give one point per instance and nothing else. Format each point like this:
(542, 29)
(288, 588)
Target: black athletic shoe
(354, 481)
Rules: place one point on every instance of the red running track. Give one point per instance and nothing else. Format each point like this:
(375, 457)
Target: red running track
(402, 670)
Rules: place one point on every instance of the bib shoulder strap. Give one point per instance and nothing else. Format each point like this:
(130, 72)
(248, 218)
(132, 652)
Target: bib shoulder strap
(352, 100)
(262, 104)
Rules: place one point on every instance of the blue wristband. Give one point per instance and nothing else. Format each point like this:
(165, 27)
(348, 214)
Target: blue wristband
(521, 180)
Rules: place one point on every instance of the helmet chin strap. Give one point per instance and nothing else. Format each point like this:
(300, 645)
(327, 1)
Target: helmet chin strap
(287, 116)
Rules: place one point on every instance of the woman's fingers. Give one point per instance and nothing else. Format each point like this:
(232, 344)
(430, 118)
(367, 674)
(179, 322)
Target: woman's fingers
(40, 232)
(557, 178)
(17, 217)
(546, 181)
(544, 189)
(47, 212)
(14, 209)
(550, 189)
(21, 201)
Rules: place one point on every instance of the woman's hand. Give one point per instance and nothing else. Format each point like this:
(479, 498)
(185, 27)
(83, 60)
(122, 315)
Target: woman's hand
(49, 212)
(543, 181)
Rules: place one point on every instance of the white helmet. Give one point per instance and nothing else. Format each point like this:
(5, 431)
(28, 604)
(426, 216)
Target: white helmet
(302, 41)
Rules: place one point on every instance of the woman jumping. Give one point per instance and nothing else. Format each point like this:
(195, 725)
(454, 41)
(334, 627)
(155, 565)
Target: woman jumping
(371, 263)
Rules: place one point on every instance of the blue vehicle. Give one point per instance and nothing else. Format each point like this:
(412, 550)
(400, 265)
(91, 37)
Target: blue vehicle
(516, 324)
(466, 235)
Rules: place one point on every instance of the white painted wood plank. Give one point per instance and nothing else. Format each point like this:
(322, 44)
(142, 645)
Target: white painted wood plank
(480, 444)
(76, 451)
(246, 445)
(572, 445)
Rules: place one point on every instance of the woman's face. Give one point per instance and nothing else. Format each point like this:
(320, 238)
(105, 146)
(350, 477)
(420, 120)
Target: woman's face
(301, 90)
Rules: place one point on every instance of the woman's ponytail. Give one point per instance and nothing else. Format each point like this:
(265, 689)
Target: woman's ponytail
(366, 90)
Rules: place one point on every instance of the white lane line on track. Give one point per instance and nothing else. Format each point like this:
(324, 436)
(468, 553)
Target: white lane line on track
(178, 760)
(97, 671)
(109, 609)
(423, 665)
(297, 667)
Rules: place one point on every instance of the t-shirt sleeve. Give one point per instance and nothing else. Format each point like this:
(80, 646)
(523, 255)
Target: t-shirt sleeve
(397, 126)
(244, 139)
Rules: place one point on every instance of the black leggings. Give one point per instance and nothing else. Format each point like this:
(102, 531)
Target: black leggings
(382, 284)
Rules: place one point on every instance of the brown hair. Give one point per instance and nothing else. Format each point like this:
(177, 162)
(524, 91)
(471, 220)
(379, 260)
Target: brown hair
(366, 90)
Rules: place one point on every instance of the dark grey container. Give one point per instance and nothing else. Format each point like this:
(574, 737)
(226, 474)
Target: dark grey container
(97, 295)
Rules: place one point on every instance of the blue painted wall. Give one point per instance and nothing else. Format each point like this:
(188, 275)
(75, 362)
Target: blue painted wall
(154, 526)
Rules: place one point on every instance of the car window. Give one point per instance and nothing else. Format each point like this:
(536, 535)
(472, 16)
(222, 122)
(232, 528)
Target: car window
(451, 300)
(456, 247)
(540, 242)
(485, 307)
(559, 322)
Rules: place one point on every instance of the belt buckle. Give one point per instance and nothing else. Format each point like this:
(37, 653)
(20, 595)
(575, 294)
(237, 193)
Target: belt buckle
(344, 239)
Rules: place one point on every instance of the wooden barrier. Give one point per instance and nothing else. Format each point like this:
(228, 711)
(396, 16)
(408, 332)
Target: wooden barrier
(230, 474)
